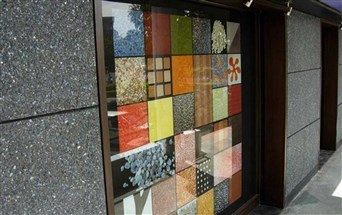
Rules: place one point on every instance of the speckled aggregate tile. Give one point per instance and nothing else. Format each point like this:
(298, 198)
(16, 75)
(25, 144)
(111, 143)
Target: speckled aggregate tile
(185, 150)
(205, 203)
(221, 196)
(164, 196)
(201, 36)
(183, 108)
(188, 209)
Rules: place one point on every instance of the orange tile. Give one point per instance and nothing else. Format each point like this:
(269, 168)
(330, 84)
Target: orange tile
(182, 74)
(236, 187)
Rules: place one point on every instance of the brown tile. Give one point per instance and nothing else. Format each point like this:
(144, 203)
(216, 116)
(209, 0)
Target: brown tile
(205, 203)
(167, 76)
(151, 91)
(160, 90)
(236, 187)
(150, 64)
(186, 186)
(160, 77)
(151, 78)
(159, 63)
(167, 90)
(167, 63)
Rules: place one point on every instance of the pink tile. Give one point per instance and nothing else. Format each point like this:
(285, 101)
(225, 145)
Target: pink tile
(222, 166)
(185, 150)
(164, 196)
(236, 158)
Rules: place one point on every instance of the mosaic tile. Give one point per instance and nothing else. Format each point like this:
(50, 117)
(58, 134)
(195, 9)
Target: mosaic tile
(159, 77)
(160, 119)
(130, 78)
(220, 103)
(236, 187)
(138, 203)
(128, 30)
(233, 35)
(236, 158)
(234, 98)
(202, 89)
(222, 166)
(222, 136)
(185, 150)
(142, 167)
(181, 35)
(182, 74)
(164, 196)
(186, 186)
(234, 69)
(218, 37)
(204, 141)
(201, 36)
(133, 129)
(183, 109)
(205, 203)
(236, 123)
(204, 175)
(188, 209)
(221, 196)
(219, 68)
(157, 33)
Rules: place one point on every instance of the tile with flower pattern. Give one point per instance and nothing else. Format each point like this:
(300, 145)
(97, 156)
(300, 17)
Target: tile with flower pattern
(234, 69)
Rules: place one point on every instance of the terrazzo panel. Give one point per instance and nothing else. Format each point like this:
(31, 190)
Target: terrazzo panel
(205, 203)
(183, 108)
(188, 209)
(164, 196)
(186, 186)
(221, 196)
(185, 150)
(201, 36)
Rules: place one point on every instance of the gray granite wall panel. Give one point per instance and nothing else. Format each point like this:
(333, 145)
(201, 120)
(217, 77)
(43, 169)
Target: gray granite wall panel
(302, 155)
(52, 165)
(47, 57)
(304, 42)
(304, 99)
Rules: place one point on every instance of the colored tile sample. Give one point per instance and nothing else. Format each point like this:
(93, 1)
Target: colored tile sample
(222, 136)
(237, 158)
(188, 209)
(202, 89)
(164, 196)
(205, 203)
(181, 35)
(159, 77)
(201, 36)
(185, 150)
(183, 112)
(234, 69)
(218, 37)
(182, 74)
(233, 35)
(157, 33)
(234, 98)
(220, 103)
(204, 175)
(186, 186)
(133, 127)
(221, 196)
(128, 30)
(222, 166)
(219, 68)
(204, 141)
(236, 123)
(236, 187)
(160, 119)
(130, 79)
(138, 203)
(142, 167)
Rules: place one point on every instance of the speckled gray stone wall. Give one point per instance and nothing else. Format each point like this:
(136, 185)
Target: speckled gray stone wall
(50, 145)
(304, 97)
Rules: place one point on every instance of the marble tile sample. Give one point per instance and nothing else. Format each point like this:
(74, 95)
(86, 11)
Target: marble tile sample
(220, 103)
(222, 166)
(205, 203)
(157, 33)
(138, 203)
(202, 89)
(128, 30)
(234, 98)
(188, 209)
(234, 69)
(236, 187)
(233, 36)
(160, 119)
(186, 186)
(182, 74)
(130, 79)
(219, 69)
(164, 196)
(222, 136)
(181, 35)
(183, 112)
(201, 36)
(185, 150)
(133, 127)
(221, 196)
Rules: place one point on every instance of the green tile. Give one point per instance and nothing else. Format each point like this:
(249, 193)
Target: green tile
(181, 35)
(220, 103)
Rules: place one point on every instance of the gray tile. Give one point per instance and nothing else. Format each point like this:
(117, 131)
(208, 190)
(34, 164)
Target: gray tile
(339, 124)
(339, 101)
(47, 57)
(340, 47)
(304, 99)
(183, 112)
(52, 165)
(302, 155)
(304, 42)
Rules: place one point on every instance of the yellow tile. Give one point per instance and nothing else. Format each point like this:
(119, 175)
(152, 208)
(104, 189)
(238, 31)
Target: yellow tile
(205, 203)
(160, 119)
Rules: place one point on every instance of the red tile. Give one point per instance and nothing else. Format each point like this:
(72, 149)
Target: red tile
(234, 99)
(157, 33)
(133, 129)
